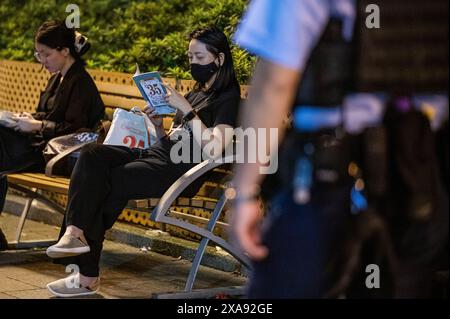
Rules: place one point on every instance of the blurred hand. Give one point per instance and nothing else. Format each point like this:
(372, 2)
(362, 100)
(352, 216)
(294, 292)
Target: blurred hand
(155, 118)
(246, 227)
(25, 115)
(176, 100)
(27, 124)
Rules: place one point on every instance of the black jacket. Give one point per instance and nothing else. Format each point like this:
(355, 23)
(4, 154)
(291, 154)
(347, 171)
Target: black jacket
(68, 106)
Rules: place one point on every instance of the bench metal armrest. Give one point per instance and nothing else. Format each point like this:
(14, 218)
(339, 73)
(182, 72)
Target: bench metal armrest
(57, 158)
(159, 214)
(182, 183)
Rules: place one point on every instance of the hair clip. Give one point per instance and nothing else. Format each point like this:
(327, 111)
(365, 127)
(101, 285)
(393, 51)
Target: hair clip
(80, 41)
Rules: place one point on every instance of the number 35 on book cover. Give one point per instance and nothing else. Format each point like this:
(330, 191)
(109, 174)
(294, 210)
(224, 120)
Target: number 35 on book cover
(151, 87)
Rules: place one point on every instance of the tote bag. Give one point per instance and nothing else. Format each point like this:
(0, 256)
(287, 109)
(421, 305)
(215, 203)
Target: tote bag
(131, 128)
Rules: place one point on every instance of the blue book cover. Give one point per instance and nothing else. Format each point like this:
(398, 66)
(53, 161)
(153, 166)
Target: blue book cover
(152, 89)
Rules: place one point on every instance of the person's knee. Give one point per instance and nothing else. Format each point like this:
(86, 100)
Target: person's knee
(89, 149)
(125, 185)
(92, 153)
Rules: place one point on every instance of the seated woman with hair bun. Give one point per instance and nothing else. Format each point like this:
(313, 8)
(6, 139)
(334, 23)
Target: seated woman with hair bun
(70, 102)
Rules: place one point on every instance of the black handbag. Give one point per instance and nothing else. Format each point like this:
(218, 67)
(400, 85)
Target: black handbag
(61, 144)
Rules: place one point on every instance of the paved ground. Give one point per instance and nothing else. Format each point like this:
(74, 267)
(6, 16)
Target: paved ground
(126, 272)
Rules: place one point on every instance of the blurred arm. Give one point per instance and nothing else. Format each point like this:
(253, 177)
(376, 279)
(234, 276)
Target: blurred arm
(271, 97)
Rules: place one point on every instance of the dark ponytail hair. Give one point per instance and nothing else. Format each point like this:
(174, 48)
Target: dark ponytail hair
(216, 42)
(56, 35)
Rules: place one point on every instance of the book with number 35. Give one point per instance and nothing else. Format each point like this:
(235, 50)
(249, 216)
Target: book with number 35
(151, 87)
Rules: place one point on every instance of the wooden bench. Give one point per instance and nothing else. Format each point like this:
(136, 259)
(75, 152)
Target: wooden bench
(20, 85)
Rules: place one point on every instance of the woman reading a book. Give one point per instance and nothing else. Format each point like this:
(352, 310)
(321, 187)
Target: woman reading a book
(69, 102)
(106, 177)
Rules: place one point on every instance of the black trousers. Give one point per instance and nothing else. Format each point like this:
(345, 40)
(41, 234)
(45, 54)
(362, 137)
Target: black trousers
(103, 180)
(16, 154)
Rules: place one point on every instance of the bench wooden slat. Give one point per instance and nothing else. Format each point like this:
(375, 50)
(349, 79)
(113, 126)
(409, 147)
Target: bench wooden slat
(40, 176)
(37, 180)
(122, 102)
(197, 219)
(119, 89)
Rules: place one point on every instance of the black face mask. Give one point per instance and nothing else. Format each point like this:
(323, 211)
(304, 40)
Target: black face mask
(202, 73)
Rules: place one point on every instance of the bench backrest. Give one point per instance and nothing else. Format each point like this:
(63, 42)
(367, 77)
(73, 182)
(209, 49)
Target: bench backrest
(22, 82)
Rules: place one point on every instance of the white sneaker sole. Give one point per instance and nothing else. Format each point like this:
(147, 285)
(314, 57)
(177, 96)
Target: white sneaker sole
(87, 293)
(55, 252)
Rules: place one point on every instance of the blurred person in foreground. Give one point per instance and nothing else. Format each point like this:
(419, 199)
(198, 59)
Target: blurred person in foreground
(357, 181)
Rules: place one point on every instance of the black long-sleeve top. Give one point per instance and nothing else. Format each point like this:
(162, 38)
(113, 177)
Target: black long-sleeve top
(69, 105)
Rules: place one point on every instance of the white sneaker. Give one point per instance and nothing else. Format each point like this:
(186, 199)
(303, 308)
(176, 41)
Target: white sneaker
(70, 287)
(68, 246)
